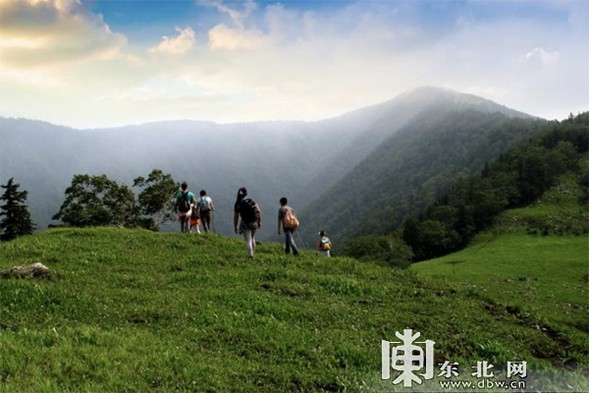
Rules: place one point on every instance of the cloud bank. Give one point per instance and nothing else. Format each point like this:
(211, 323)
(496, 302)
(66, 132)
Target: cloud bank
(61, 61)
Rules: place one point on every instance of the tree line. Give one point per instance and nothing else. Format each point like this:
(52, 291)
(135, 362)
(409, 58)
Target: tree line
(96, 201)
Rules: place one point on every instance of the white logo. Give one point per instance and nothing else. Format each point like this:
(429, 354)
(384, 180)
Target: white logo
(408, 358)
(517, 368)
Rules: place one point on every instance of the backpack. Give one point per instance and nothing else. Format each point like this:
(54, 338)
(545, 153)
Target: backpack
(325, 243)
(248, 211)
(290, 220)
(183, 203)
(204, 204)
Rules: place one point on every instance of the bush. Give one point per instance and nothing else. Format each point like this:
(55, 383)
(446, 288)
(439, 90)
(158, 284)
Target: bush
(388, 249)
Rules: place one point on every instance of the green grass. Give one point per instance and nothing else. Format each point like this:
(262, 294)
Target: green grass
(534, 262)
(131, 310)
(536, 258)
(544, 275)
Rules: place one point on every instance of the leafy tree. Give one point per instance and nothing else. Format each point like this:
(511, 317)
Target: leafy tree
(98, 201)
(156, 201)
(17, 219)
(430, 238)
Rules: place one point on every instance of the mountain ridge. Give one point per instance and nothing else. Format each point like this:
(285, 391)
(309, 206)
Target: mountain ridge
(271, 159)
(419, 91)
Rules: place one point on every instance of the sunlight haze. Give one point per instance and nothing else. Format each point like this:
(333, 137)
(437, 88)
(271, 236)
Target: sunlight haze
(90, 64)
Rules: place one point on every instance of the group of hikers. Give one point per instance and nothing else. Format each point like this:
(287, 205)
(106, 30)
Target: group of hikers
(247, 219)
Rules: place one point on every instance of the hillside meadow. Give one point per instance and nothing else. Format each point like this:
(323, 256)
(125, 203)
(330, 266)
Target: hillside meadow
(535, 258)
(132, 310)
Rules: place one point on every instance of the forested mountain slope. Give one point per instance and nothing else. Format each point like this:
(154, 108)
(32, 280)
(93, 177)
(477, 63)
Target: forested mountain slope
(414, 166)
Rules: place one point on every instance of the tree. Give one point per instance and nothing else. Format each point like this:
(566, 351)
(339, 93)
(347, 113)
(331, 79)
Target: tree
(157, 200)
(389, 249)
(98, 201)
(17, 219)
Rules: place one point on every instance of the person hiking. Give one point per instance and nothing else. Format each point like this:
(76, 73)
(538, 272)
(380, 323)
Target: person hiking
(289, 223)
(184, 201)
(324, 244)
(247, 213)
(195, 220)
(205, 207)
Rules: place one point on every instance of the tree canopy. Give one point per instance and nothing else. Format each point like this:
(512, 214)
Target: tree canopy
(100, 201)
(157, 199)
(97, 201)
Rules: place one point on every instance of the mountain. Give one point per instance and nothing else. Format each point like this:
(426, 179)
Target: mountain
(451, 136)
(310, 162)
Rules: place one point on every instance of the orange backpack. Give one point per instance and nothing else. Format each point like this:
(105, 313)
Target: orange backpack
(290, 220)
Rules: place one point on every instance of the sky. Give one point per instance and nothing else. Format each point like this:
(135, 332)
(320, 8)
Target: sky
(103, 63)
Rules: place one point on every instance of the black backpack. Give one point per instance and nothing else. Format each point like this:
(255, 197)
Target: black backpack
(248, 211)
(183, 203)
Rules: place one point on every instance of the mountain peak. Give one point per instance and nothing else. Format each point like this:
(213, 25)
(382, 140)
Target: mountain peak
(448, 98)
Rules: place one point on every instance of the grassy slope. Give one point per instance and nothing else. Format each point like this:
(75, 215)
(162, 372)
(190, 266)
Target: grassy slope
(135, 310)
(545, 275)
(531, 262)
(532, 259)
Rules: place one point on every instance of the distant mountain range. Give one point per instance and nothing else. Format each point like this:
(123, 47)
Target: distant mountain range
(362, 172)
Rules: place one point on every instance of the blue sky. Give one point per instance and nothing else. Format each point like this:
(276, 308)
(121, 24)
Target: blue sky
(94, 63)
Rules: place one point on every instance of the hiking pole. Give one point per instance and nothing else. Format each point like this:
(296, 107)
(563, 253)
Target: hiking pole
(213, 222)
(300, 238)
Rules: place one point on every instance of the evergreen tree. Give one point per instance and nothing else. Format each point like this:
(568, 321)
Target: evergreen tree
(17, 219)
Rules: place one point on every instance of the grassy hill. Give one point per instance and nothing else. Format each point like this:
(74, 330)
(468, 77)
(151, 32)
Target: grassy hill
(131, 310)
(535, 258)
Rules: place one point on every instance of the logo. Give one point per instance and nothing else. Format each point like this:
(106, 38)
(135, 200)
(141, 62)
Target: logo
(411, 361)
(408, 358)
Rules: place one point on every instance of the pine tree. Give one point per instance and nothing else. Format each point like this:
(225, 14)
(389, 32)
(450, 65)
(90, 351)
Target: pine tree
(17, 219)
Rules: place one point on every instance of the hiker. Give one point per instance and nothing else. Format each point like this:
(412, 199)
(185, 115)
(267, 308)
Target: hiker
(289, 223)
(205, 207)
(184, 201)
(195, 220)
(248, 214)
(324, 244)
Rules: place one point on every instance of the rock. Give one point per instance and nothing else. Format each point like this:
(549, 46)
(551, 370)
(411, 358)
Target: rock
(36, 270)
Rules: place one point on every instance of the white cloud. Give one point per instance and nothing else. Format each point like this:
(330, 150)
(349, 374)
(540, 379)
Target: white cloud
(238, 17)
(222, 37)
(236, 36)
(542, 56)
(182, 43)
(39, 33)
